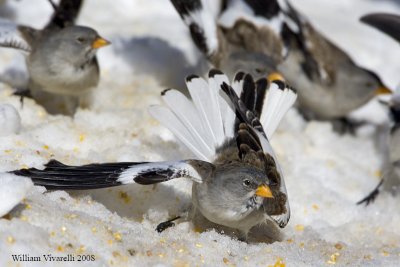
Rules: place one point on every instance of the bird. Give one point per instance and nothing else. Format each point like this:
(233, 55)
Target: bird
(237, 180)
(389, 24)
(271, 38)
(61, 58)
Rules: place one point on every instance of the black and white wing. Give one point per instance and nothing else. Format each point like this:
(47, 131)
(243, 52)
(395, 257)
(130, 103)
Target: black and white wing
(10, 36)
(200, 18)
(260, 108)
(56, 175)
(387, 23)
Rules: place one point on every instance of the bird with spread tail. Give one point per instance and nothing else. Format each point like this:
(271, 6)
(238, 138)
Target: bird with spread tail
(237, 180)
(61, 58)
(389, 24)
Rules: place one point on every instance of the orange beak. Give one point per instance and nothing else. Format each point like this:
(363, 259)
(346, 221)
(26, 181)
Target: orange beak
(382, 90)
(275, 76)
(100, 42)
(264, 191)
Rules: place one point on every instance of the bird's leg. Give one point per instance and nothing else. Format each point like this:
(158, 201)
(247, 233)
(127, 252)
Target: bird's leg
(184, 216)
(372, 195)
(346, 125)
(167, 224)
(22, 93)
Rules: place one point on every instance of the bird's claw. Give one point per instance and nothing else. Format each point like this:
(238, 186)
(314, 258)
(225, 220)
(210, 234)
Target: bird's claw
(371, 196)
(167, 224)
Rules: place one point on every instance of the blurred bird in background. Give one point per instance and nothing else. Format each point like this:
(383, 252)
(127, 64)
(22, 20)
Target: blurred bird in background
(272, 39)
(389, 24)
(61, 58)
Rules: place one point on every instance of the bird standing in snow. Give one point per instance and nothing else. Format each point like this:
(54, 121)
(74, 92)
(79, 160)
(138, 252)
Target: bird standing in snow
(389, 24)
(261, 37)
(237, 181)
(61, 58)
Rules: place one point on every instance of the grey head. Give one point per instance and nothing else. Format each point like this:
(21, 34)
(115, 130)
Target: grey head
(233, 196)
(75, 44)
(362, 85)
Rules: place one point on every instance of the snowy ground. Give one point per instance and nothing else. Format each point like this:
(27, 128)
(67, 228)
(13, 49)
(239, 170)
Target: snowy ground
(325, 173)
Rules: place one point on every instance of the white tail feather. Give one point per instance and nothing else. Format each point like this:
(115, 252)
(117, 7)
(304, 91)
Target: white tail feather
(220, 106)
(185, 111)
(200, 93)
(207, 121)
(277, 101)
(169, 120)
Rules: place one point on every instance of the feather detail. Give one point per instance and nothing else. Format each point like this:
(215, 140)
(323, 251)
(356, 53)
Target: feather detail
(11, 37)
(230, 114)
(172, 122)
(259, 136)
(200, 20)
(278, 99)
(56, 175)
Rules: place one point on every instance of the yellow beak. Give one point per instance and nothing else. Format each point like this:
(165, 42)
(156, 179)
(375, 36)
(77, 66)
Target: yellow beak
(383, 91)
(264, 191)
(275, 76)
(100, 42)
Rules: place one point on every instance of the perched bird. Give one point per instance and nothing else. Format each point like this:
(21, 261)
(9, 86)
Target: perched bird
(389, 24)
(237, 181)
(261, 37)
(61, 58)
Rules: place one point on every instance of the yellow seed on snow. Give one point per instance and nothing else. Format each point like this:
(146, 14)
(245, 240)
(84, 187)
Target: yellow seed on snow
(385, 253)
(81, 249)
(117, 236)
(299, 227)
(10, 239)
(333, 258)
(279, 263)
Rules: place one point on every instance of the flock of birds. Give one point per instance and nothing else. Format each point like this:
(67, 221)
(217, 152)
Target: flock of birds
(262, 47)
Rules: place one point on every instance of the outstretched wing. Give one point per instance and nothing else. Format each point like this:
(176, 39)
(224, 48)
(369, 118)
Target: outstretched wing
(201, 124)
(388, 23)
(56, 175)
(251, 135)
(10, 36)
(65, 13)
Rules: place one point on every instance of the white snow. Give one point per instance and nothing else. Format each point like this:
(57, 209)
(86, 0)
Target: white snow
(10, 121)
(13, 189)
(325, 173)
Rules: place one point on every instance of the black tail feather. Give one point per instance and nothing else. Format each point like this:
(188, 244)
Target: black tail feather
(65, 13)
(59, 176)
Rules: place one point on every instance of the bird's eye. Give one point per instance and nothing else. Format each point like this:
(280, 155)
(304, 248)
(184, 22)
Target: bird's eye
(258, 70)
(246, 182)
(81, 40)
